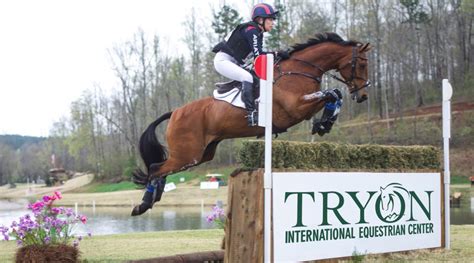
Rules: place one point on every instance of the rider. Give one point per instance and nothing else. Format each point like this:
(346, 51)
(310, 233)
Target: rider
(246, 39)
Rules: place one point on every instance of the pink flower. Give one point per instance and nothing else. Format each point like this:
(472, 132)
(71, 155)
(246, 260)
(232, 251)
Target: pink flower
(37, 206)
(45, 220)
(58, 194)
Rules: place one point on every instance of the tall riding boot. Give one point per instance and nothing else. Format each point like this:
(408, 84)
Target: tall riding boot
(249, 101)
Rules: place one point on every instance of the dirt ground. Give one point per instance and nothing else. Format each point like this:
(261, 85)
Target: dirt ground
(426, 111)
(183, 195)
(33, 190)
(436, 109)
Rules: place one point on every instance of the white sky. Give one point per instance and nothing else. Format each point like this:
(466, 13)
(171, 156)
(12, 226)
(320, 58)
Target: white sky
(53, 50)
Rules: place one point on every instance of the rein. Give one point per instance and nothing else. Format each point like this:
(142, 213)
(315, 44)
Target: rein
(318, 78)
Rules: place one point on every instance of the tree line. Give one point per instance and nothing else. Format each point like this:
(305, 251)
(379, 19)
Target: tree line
(417, 43)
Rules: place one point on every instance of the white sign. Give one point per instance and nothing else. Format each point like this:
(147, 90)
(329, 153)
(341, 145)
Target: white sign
(169, 187)
(330, 215)
(209, 185)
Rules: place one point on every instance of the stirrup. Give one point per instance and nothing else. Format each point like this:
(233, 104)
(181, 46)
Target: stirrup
(252, 118)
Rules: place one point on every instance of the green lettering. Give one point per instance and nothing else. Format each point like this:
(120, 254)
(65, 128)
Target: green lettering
(326, 208)
(415, 197)
(353, 195)
(299, 205)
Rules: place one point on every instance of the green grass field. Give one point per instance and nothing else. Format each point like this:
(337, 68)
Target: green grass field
(459, 180)
(192, 177)
(123, 247)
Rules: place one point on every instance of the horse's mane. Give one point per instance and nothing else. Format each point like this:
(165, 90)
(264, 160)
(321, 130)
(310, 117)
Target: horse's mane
(323, 38)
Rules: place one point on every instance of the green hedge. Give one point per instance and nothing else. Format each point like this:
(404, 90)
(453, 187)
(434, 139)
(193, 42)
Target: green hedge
(327, 155)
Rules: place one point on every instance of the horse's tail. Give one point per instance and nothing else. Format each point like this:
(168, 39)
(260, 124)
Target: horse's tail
(151, 150)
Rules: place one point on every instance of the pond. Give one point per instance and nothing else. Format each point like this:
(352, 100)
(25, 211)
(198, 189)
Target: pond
(464, 214)
(115, 220)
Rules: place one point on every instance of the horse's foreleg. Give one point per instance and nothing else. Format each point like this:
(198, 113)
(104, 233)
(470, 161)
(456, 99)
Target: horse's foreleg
(312, 97)
(314, 102)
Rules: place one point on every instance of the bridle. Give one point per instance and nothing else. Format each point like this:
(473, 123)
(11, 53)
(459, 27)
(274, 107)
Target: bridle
(348, 82)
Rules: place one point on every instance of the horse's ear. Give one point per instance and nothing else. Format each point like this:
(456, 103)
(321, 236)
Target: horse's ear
(365, 48)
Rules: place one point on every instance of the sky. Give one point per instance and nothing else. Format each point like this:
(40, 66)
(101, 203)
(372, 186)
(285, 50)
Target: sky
(51, 51)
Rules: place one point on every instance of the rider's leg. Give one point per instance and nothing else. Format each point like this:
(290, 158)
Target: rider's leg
(249, 101)
(228, 67)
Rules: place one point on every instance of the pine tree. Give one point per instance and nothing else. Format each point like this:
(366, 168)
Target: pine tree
(225, 21)
(279, 36)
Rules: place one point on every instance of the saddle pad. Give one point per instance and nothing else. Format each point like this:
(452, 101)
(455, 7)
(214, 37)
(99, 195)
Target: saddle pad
(233, 97)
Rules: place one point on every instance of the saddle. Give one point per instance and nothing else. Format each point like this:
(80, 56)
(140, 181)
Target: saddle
(224, 87)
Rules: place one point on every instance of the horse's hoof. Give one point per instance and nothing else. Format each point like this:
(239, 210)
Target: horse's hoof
(140, 209)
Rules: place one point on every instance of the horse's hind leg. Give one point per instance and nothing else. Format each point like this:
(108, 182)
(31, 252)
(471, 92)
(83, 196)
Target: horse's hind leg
(182, 155)
(155, 187)
(210, 151)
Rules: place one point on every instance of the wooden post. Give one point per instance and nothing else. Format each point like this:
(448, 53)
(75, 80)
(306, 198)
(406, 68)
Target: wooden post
(244, 223)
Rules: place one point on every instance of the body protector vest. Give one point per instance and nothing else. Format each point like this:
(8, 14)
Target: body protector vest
(245, 39)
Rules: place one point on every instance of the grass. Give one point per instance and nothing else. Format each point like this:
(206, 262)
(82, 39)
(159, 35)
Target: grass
(123, 247)
(198, 174)
(192, 177)
(456, 179)
(462, 250)
(106, 187)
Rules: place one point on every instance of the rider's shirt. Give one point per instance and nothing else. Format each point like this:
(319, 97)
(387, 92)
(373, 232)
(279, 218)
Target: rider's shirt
(246, 39)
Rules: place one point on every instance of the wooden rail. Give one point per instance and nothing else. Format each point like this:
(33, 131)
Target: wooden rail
(208, 256)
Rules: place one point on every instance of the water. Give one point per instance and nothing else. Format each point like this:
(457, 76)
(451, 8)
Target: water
(465, 213)
(116, 220)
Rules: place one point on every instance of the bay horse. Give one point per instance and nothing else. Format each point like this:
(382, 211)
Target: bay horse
(195, 129)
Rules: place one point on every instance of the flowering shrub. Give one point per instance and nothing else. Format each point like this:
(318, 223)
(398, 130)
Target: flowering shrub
(217, 216)
(49, 225)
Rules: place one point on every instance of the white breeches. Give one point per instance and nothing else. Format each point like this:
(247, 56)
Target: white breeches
(228, 67)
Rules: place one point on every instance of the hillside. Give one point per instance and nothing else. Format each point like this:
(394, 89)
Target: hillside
(414, 126)
(16, 141)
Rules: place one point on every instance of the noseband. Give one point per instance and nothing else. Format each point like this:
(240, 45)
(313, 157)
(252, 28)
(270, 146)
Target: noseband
(348, 82)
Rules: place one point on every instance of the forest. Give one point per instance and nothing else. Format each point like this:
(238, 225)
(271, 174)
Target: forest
(416, 44)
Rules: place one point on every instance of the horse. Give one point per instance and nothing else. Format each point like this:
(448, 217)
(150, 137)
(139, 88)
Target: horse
(195, 129)
(391, 204)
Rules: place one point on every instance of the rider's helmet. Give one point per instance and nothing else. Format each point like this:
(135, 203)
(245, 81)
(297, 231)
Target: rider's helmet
(264, 11)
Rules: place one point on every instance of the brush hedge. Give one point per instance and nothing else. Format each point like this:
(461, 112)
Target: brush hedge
(337, 156)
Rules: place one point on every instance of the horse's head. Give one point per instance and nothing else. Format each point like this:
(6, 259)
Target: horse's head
(387, 198)
(355, 71)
